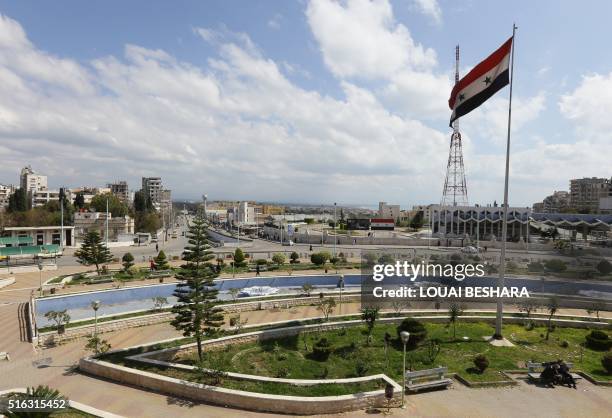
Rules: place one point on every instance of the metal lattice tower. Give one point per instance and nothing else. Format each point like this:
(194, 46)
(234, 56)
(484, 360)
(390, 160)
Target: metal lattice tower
(455, 186)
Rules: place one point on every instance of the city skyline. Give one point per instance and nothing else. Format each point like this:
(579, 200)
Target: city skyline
(272, 104)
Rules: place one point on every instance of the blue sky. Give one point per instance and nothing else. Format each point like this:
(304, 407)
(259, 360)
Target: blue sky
(306, 101)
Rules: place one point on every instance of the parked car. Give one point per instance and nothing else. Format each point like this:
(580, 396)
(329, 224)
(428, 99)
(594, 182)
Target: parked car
(470, 250)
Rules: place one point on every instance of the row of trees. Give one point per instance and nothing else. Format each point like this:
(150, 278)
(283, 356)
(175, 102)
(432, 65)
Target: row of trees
(21, 213)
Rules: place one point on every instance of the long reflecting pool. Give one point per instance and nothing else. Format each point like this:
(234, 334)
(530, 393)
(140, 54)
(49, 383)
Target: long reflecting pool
(118, 301)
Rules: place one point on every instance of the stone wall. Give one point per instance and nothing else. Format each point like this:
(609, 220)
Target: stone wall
(234, 398)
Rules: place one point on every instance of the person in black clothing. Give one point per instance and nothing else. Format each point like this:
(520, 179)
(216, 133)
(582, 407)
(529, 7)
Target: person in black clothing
(257, 270)
(566, 376)
(311, 247)
(548, 375)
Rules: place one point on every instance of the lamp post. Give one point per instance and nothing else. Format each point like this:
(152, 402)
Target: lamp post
(405, 336)
(334, 229)
(95, 305)
(340, 285)
(40, 268)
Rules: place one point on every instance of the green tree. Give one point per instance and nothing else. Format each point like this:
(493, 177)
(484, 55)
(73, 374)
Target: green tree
(197, 311)
(161, 262)
(93, 251)
(278, 259)
(369, 315)
(115, 206)
(326, 306)
(18, 201)
(604, 267)
(140, 201)
(454, 312)
(97, 345)
(234, 292)
(552, 306)
(417, 220)
(128, 261)
(159, 302)
(61, 318)
(294, 257)
(318, 259)
(79, 200)
(307, 288)
(147, 222)
(239, 257)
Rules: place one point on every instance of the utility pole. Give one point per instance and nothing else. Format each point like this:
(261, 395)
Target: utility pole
(334, 229)
(107, 215)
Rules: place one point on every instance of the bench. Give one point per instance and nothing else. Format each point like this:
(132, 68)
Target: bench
(534, 370)
(4, 356)
(160, 273)
(427, 379)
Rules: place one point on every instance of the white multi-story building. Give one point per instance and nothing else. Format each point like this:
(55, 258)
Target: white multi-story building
(30, 181)
(246, 213)
(42, 197)
(388, 211)
(5, 192)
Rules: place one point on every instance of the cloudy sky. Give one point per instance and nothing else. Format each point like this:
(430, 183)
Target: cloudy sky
(304, 101)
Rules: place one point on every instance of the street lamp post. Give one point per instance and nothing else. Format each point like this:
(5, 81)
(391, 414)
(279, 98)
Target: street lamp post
(95, 305)
(405, 336)
(341, 287)
(334, 229)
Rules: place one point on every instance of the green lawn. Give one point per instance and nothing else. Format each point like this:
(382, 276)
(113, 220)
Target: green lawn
(292, 357)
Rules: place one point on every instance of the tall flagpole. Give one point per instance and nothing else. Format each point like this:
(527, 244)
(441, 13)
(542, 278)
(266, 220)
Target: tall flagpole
(502, 264)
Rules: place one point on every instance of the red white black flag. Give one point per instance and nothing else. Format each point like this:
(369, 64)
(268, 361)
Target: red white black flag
(482, 82)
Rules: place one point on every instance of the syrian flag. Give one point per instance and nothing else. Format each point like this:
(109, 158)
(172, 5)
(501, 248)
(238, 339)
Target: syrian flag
(482, 82)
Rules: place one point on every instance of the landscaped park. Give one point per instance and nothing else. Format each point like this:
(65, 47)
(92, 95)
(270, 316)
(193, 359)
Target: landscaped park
(342, 359)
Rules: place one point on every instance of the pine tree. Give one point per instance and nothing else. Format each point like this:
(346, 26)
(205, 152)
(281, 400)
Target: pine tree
(197, 313)
(161, 261)
(128, 261)
(93, 251)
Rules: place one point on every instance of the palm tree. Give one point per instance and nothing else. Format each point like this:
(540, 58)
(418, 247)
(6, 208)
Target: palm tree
(38, 392)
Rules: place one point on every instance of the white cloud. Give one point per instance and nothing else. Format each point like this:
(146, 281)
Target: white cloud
(236, 127)
(490, 121)
(589, 106)
(429, 8)
(362, 39)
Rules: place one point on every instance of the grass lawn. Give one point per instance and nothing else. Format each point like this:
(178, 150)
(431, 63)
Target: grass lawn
(292, 357)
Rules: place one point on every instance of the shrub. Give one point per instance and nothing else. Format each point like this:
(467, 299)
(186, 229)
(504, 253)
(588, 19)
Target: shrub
(278, 259)
(555, 265)
(239, 258)
(294, 257)
(261, 262)
(564, 344)
(133, 270)
(598, 340)
(318, 259)
(417, 331)
(606, 362)
(604, 267)
(535, 266)
(361, 367)
(322, 349)
(481, 362)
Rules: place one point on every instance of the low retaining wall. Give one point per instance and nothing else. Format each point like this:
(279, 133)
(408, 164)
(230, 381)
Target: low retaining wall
(6, 282)
(235, 398)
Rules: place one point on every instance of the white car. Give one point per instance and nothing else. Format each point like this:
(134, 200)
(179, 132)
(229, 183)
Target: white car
(288, 243)
(469, 250)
